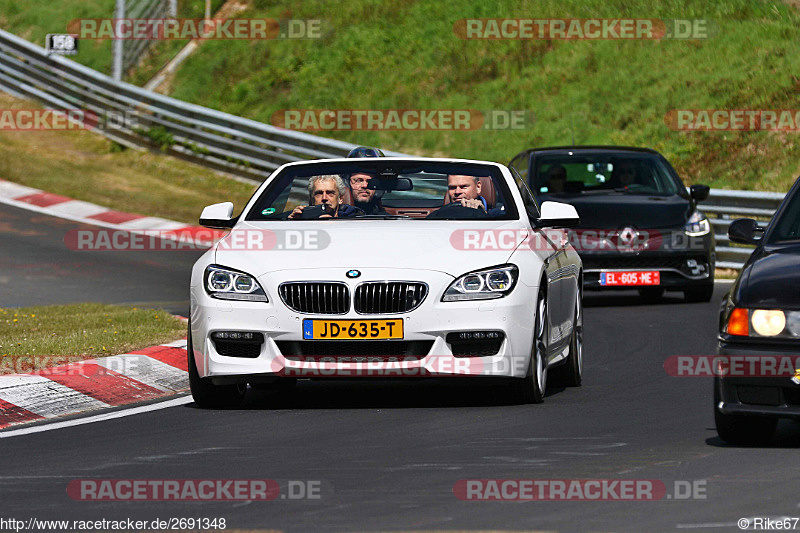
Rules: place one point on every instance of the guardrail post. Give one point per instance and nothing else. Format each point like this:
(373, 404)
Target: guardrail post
(117, 54)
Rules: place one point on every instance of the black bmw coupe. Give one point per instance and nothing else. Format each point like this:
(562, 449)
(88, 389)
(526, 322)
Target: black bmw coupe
(640, 228)
(759, 330)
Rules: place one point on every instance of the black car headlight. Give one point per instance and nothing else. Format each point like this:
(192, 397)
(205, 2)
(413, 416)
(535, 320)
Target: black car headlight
(697, 225)
(227, 284)
(774, 323)
(486, 284)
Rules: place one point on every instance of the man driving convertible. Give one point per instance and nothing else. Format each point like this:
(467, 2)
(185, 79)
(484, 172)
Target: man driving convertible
(466, 191)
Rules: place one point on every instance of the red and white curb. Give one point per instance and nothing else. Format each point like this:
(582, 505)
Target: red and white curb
(73, 388)
(55, 205)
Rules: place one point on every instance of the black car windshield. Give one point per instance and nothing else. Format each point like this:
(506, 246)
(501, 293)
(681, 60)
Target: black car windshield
(384, 189)
(787, 226)
(618, 173)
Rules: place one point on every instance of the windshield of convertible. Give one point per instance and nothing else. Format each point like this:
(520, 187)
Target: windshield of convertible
(620, 173)
(373, 188)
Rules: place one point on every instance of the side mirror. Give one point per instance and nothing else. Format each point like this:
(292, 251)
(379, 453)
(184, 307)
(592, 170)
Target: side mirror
(557, 215)
(218, 216)
(699, 192)
(745, 231)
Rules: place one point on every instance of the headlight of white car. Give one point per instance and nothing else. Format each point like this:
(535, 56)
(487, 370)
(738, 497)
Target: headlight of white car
(697, 225)
(226, 284)
(487, 284)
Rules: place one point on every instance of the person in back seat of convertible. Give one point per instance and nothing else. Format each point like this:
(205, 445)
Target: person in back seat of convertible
(327, 190)
(364, 198)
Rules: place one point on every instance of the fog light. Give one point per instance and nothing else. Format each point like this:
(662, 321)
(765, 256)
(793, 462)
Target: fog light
(238, 336)
(475, 343)
(474, 335)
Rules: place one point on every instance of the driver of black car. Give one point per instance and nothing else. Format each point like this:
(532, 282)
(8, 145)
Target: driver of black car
(325, 198)
(625, 173)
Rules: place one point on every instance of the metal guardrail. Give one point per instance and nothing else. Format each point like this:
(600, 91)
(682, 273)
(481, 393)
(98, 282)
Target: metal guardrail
(241, 146)
(133, 116)
(723, 207)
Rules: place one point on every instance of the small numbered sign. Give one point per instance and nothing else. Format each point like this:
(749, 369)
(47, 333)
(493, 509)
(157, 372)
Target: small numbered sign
(61, 43)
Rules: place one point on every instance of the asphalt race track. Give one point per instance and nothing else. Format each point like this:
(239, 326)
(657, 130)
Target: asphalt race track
(389, 453)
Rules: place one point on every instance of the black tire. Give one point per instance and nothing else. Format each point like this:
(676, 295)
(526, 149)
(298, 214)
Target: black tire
(207, 395)
(742, 429)
(532, 387)
(570, 373)
(651, 294)
(702, 293)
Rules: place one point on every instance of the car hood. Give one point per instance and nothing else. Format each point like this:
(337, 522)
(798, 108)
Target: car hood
(355, 244)
(772, 279)
(615, 210)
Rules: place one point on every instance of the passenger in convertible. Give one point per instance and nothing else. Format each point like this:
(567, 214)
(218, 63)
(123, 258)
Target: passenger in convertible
(364, 198)
(325, 194)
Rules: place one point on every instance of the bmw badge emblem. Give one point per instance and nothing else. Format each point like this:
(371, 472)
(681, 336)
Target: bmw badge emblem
(353, 273)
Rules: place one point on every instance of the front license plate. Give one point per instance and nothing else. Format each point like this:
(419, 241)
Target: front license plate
(631, 279)
(343, 330)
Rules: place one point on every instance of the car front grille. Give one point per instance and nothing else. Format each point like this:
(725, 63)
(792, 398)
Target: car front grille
(317, 297)
(384, 297)
(371, 350)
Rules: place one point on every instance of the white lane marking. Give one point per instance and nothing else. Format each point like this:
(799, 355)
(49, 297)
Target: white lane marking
(44, 397)
(724, 280)
(175, 402)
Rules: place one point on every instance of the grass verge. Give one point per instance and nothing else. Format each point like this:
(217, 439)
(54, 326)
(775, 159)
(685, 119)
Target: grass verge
(32, 338)
(405, 55)
(86, 166)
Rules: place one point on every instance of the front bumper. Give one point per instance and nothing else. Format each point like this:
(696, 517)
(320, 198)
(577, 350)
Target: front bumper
(426, 352)
(683, 262)
(771, 394)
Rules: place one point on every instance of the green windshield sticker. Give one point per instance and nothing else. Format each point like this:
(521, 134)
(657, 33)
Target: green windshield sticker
(268, 211)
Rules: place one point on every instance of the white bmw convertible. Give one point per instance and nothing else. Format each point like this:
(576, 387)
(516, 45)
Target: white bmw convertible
(386, 267)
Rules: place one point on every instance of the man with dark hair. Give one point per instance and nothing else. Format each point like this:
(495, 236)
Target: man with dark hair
(363, 197)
